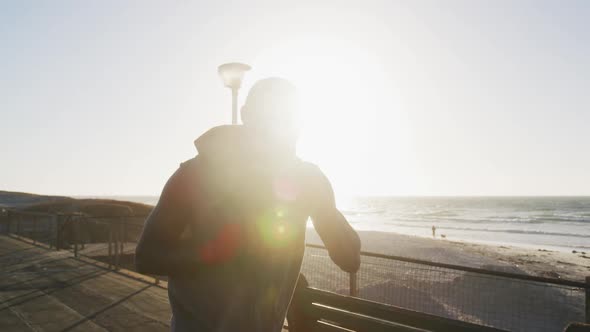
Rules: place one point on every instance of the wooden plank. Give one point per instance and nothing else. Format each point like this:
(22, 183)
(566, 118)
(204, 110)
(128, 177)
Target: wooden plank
(52, 291)
(357, 322)
(328, 327)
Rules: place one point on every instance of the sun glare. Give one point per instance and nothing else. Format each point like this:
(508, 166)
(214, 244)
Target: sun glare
(343, 91)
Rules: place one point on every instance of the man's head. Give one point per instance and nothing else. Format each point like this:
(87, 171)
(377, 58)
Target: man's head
(271, 108)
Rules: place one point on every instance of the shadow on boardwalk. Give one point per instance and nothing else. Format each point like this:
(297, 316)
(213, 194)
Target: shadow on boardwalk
(52, 291)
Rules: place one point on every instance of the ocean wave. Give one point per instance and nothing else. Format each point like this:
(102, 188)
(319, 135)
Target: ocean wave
(352, 213)
(442, 213)
(492, 219)
(560, 218)
(485, 220)
(487, 230)
(563, 222)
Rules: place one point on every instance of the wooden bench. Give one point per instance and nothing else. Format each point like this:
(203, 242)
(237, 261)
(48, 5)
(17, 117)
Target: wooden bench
(317, 310)
(577, 327)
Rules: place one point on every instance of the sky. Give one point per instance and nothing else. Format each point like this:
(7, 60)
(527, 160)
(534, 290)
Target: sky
(398, 97)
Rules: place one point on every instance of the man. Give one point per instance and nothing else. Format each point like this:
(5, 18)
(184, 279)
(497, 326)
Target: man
(229, 228)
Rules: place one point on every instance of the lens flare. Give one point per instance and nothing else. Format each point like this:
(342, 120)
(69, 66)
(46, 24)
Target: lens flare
(274, 228)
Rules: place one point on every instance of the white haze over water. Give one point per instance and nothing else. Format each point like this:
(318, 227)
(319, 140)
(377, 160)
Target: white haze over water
(561, 223)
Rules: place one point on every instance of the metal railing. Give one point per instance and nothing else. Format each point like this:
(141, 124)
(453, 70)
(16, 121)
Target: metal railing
(505, 300)
(509, 301)
(109, 239)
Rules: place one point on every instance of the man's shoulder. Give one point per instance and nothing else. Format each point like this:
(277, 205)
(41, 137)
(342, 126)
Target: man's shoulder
(189, 163)
(186, 169)
(312, 177)
(309, 169)
(315, 186)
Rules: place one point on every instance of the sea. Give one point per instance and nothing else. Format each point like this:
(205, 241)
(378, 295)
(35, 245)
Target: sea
(551, 223)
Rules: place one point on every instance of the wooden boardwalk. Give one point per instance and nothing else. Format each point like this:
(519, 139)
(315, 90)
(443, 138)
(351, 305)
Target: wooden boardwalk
(48, 290)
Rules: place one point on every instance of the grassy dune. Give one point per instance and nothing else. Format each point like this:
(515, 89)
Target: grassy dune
(62, 204)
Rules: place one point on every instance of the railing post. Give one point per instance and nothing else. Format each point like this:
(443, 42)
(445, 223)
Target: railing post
(75, 231)
(117, 257)
(18, 224)
(85, 230)
(10, 217)
(34, 233)
(51, 224)
(110, 245)
(121, 240)
(353, 284)
(588, 300)
(57, 231)
(6, 219)
(12, 224)
(3, 220)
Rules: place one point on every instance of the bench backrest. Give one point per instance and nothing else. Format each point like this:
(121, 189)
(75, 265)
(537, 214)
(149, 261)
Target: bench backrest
(317, 310)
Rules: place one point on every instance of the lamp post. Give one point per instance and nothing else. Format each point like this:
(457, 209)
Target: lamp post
(232, 74)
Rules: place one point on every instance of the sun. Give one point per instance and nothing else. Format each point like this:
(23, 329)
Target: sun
(343, 92)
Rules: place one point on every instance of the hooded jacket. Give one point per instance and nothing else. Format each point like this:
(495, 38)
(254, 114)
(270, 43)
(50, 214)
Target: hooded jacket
(229, 231)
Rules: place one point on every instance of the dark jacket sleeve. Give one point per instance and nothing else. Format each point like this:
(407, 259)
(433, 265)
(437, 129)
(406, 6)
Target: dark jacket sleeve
(160, 249)
(341, 240)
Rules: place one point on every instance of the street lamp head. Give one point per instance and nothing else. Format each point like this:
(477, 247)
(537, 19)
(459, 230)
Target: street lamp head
(232, 74)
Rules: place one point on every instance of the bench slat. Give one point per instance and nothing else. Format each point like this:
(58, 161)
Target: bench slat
(328, 327)
(390, 313)
(358, 322)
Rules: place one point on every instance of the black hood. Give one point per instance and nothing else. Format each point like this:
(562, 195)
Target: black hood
(222, 143)
(228, 144)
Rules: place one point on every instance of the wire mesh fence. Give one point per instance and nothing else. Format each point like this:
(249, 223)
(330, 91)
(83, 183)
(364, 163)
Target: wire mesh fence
(110, 239)
(506, 301)
(36, 226)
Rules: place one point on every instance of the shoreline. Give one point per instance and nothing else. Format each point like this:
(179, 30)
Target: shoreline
(508, 258)
(521, 245)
